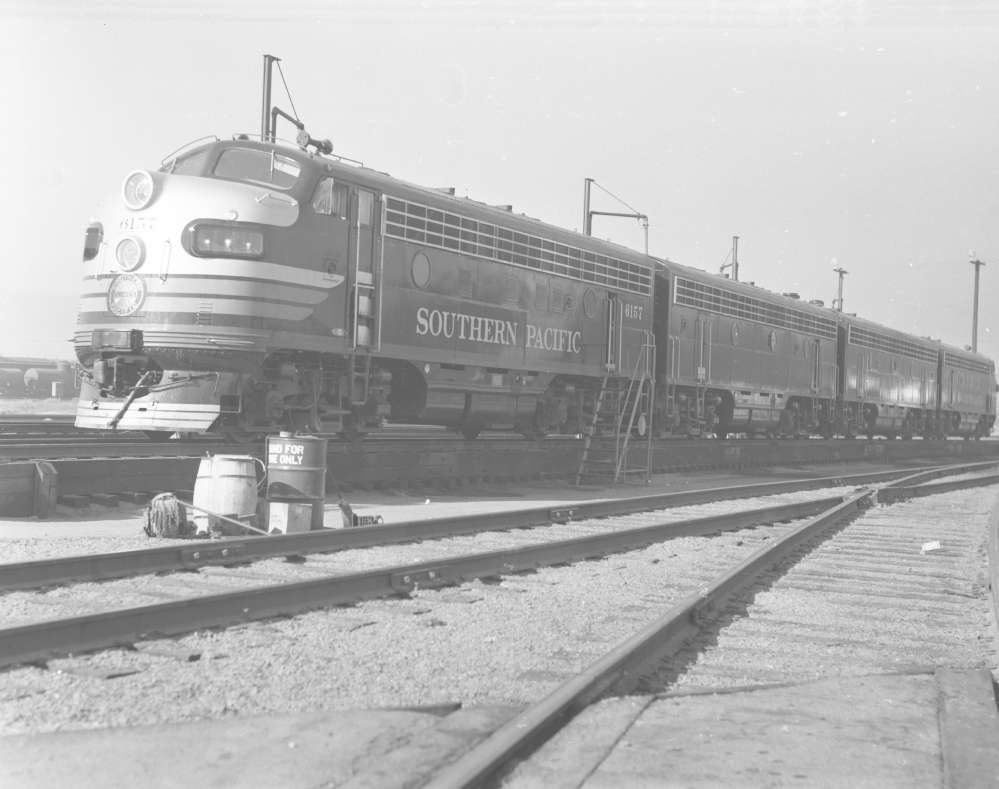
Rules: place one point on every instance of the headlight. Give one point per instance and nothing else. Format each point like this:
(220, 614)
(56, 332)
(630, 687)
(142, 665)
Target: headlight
(126, 294)
(226, 241)
(92, 241)
(137, 191)
(130, 252)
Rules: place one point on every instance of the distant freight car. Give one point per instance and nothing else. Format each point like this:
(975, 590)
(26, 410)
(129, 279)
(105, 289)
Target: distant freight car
(11, 382)
(59, 381)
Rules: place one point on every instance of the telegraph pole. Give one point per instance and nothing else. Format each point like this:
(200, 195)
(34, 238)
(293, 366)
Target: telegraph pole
(974, 307)
(839, 298)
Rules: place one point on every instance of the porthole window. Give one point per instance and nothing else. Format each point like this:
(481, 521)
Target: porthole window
(735, 334)
(420, 270)
(590, 303)
(773, 340)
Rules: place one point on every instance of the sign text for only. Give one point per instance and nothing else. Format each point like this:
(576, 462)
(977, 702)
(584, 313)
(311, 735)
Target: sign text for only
(285, 454)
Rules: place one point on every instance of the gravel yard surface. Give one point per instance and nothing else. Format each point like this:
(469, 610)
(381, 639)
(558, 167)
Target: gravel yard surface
(25, 607)
(500, 643)
(504, 643)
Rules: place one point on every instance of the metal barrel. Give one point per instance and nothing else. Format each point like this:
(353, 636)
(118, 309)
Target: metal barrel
(296, 472)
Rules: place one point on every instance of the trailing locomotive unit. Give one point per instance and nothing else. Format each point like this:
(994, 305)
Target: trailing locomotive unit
(889, 381)
(734, 358)
(967, 380)
(248, 286)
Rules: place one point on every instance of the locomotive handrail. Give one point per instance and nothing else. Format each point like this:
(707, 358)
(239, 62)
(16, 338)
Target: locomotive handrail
(171, 158)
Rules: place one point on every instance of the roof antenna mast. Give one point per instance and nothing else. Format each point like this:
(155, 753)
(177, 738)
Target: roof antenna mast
(266, 133)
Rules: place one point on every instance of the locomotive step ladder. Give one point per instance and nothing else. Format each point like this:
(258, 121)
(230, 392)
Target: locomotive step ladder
(622, 407)
(359, 371)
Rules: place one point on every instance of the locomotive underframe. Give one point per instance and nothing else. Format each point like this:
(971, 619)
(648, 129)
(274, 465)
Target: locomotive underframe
(241, 395)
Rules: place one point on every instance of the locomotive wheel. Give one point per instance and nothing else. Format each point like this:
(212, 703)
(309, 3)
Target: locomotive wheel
(351, 433)
(471, 431)
(242, 437)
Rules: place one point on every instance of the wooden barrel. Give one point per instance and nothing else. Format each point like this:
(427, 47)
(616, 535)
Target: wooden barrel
(226, 485)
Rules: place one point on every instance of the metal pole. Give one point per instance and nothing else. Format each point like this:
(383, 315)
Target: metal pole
(974, 307)
(265, 110)
(839, 298)
(587, 217)
(735, 258)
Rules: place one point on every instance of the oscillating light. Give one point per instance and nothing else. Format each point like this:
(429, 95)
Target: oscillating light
(137, 190)
(126, 294)
(130, 253)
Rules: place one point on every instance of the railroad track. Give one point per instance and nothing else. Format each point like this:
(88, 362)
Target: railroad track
(833, 595)
(187, 555)
(42, 625)
(87, 445)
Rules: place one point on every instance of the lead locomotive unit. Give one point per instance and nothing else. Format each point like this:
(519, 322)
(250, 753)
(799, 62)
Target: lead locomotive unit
(248, 286)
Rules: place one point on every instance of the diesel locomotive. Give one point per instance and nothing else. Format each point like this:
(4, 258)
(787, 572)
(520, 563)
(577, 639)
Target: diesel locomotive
(249, 285)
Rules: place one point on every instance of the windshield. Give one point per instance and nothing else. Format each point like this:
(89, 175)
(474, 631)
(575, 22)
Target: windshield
(258, 166)
(187, 164)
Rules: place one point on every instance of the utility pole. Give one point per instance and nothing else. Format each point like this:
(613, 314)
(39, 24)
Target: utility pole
(974, 308)
(588, 214)
(734, 265)
(839, 298)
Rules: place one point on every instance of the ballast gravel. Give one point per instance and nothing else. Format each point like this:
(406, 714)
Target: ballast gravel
(498, 643)
(21, 608)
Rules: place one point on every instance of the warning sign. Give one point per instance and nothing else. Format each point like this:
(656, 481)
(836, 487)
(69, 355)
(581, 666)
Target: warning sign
(285, 453)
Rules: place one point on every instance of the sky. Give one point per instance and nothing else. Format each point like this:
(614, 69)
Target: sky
(834, 133)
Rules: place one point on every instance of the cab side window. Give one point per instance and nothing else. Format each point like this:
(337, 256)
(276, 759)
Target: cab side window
(365, 202)
(330, 198)
(322, 198)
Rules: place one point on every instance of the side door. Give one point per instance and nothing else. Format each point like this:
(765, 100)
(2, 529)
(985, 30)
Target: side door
(614, 319)
(365, 249)
(816, 365)
(330, 204)
(702, 351)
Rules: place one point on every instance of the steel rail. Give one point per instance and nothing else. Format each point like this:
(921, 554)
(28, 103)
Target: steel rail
(41, 640)
(622, 667)
(118, 446)
(890, 495)
(174, 558)
(941, 471)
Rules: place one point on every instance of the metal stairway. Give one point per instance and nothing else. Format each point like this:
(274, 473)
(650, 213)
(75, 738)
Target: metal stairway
(622, 408)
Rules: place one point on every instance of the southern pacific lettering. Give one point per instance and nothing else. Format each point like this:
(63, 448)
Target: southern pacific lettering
(477, 328)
